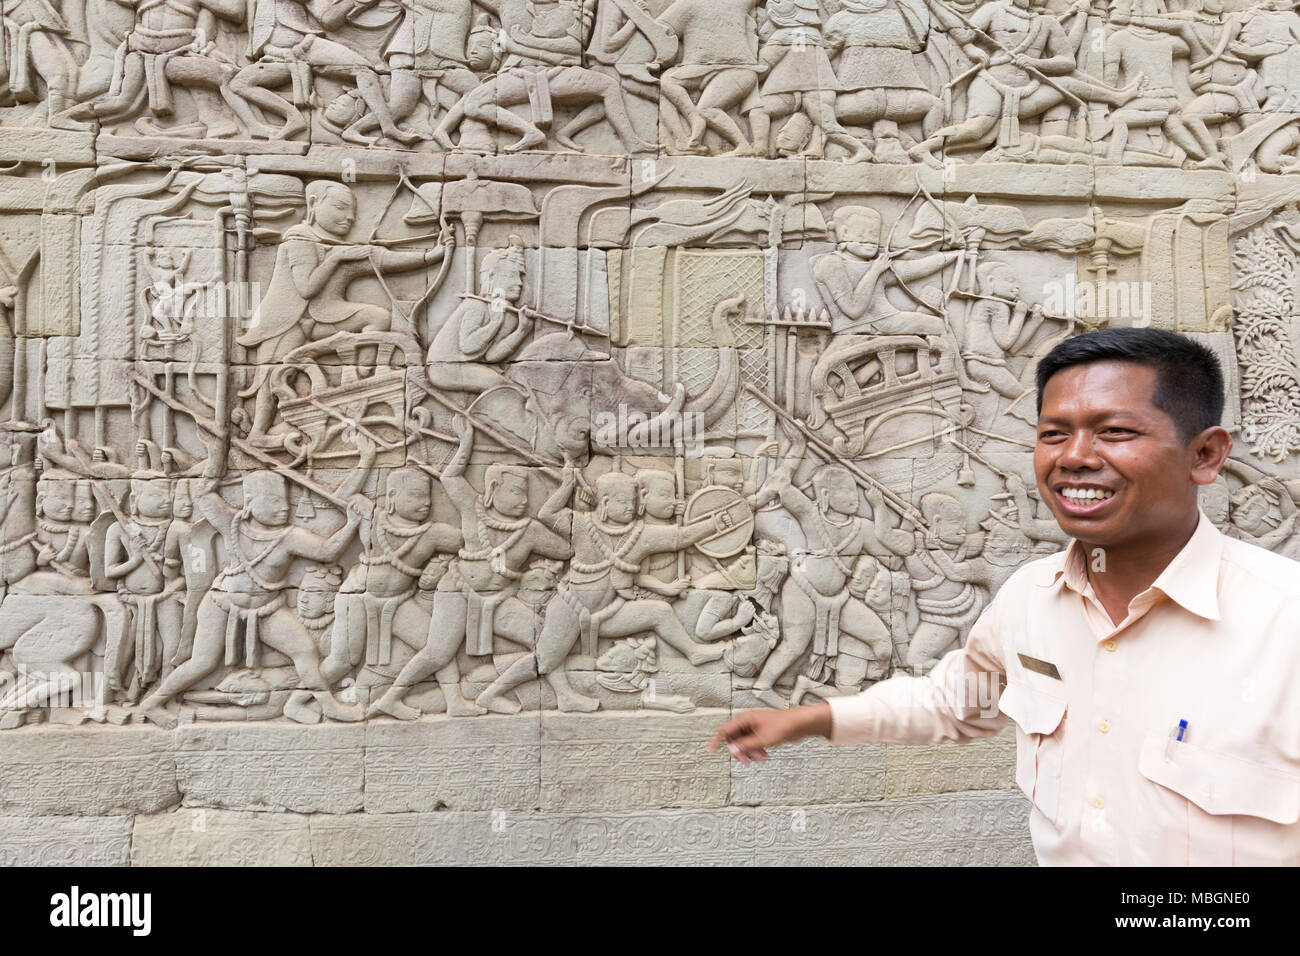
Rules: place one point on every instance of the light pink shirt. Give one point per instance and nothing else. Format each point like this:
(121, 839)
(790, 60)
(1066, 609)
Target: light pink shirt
(1214, 641)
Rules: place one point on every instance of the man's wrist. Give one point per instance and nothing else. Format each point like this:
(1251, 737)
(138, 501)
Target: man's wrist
(815, 721)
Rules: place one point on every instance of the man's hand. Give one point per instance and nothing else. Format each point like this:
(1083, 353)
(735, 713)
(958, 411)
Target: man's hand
(353, 253)
(749, 735)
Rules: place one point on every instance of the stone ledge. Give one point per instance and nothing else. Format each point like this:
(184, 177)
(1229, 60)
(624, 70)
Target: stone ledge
(315, 769)
(812, 772)
(202, 837)
(87, 771)
(365, 839)
(974, 828)
(65, 841)
(986, 763)
(607, 761)
(983, 828)
(454, 763)
(631, 760)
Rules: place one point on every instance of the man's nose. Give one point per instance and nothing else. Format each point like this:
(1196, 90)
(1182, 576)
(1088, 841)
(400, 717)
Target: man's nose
(1080, 452)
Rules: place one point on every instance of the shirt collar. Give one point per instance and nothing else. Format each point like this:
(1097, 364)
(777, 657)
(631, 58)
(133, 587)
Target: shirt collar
(1191, 579)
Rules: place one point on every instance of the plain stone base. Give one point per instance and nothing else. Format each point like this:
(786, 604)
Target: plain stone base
(615, 787)
(973, 828)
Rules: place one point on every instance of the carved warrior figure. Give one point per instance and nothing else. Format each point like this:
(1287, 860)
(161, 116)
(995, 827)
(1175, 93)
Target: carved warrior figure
(879, 44)
(853, 278)
(949, 578)
(1145, 54)
(816, 607)
(658, 504)
(799, 82)
(174, 42)
(484, 329)
(438, 52)
(376, 602)
(247, 599)
(307, 299)
(999, 325)
(289, 44)
(609, 546)
(477, 599)
(143, 556)
(18, 532)
(265, 693)
(748, 616)
(719, 59)
(1270, 39)
(64, 511)
(36, 48)
(542, 44)
(51, 621)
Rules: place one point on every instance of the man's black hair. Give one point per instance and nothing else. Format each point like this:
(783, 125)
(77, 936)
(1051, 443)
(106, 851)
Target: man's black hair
(1189, 380)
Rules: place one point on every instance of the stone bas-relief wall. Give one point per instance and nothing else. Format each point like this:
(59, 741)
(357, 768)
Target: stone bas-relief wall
(428, 419)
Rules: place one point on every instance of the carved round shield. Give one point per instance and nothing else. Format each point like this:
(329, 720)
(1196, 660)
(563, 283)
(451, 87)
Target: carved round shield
(725, 507)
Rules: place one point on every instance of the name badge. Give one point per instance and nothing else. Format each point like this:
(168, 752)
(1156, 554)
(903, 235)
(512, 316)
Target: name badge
(1046, 668)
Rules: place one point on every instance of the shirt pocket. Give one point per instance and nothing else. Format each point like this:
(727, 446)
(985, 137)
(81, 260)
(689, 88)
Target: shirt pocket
(1238, 810)
(1041, 719)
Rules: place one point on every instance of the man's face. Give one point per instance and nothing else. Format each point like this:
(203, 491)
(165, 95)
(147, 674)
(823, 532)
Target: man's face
(620, 504)
(411, 498)
(511, 496)
(507, 282)
(1005, 284)
(314, 603)
(841, 493)
(730, 474)
(1250, 514)
(660, 498)
(1108, 462)
(269, 504)
(950, 524)
(152, 498)
(58, 499)
(336, 212)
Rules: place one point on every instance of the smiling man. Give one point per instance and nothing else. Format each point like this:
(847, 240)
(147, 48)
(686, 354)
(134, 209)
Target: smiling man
(1150, 667)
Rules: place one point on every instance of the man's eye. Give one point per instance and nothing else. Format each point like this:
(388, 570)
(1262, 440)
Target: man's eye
(1050, 436)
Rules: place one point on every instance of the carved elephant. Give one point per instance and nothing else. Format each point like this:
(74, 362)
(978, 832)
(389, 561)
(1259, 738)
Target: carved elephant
(560, 391)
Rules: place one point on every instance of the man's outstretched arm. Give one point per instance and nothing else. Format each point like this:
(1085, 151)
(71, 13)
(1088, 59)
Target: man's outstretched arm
(955, 701)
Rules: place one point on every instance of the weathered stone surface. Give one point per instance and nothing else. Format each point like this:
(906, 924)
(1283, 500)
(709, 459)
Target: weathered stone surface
(203, 837)
(984, 829)
(87, 771)
(812, 771)
(65, 841)
(365, 839)
(317, 769)
(972, 829)
(631, 760)
(471, 411)
(453, 763)
(987, 763)
(701, 837)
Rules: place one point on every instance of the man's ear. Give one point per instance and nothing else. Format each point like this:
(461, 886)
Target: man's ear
(1210, 449)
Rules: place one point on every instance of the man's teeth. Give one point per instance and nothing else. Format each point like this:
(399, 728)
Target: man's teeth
(1086, 494)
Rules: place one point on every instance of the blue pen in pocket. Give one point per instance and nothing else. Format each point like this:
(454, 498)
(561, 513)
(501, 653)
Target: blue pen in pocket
(1176, 737)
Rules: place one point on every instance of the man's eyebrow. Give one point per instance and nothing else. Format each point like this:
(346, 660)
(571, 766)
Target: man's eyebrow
(1112, 413)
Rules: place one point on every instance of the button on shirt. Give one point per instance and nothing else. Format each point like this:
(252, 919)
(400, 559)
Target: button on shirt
(1215, 642)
